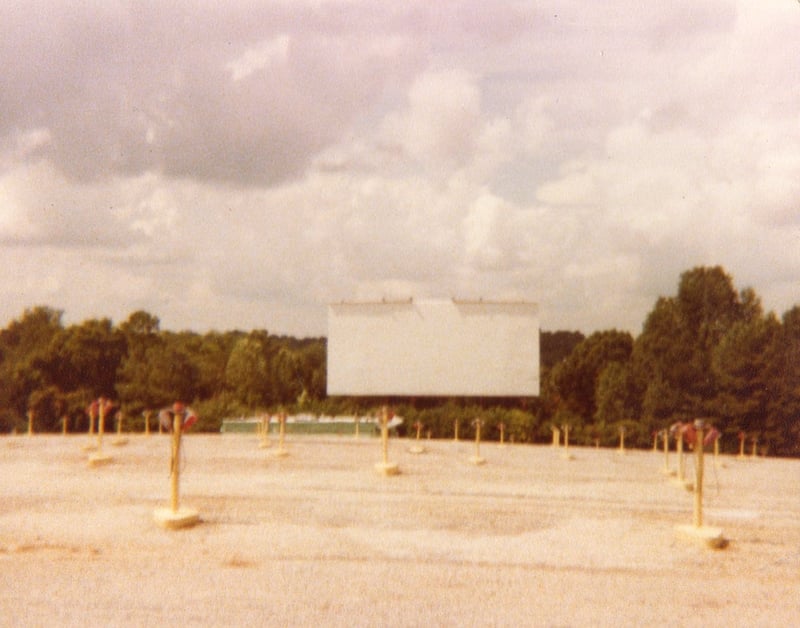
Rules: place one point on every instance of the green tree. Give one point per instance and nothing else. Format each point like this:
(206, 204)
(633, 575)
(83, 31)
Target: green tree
(709, 306)
(140, 325)
(247, 373)
(574, 381)
(658, 363)
(673, 355)
(173, 372)
(163, 373)
(85, 356)
(48, 405)
(742, 363)
(555, 346)
(24, 347)
(618, 404)
(285, 375)
(312, 368)
(211, 354)
(786, 385)
(141, 333)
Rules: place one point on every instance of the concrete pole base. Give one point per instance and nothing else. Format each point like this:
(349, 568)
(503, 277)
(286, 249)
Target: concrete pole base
(174, 519)
(119, 442)
(99, 459)
(668, 471)
(416, 449)
(387, 468)
(703, 535)
(676, 481)
(567, 456)
(280, 452)
(478, 460)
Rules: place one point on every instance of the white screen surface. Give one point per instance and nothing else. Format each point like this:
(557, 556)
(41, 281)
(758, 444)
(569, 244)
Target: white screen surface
(433, 348)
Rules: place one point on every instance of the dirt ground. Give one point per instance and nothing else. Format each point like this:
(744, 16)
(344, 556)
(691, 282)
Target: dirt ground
(319, 538)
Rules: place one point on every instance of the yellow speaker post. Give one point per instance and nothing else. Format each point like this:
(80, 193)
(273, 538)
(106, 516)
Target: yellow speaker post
(417, 448)
(566, 455)
(477, 459)
(385, 467)
(281, 452)
(712, 537)
(99, 458)
(175, 517)
(263, 430)
(666, 470)
(120, 439)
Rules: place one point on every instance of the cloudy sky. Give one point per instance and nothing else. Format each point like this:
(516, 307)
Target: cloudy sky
(239, 165)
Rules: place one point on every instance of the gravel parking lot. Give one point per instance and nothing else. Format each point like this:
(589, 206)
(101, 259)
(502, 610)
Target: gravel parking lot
(320, 538)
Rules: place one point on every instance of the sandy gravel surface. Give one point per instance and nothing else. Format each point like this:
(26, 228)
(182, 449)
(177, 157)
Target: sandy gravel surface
(320, 539)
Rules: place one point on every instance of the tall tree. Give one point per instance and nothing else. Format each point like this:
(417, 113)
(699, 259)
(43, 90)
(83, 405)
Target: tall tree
(743, 363)
(212, 352)
(24, 347)
(247, 373)
(173, 372)
(659, 363)
(312, 368)
(618, 403)
(674, 351)
(786, 381)
(285, 375)
(140, 324)
(141, 333)
(86, 356)
(555, 346)
(575, 379)
(164, 372)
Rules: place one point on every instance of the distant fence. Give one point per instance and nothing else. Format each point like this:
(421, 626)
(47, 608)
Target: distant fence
(303, 425)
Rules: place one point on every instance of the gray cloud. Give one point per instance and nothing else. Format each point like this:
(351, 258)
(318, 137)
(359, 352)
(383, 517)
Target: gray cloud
(239, 165)
(150, 88)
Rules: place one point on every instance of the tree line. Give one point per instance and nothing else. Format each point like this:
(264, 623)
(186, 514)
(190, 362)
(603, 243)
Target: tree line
(56, 370)
(708, 351)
